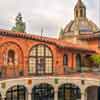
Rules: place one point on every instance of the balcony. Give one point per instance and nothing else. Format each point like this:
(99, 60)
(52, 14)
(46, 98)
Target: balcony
(83, 69)
(10, 72)
(7, 72)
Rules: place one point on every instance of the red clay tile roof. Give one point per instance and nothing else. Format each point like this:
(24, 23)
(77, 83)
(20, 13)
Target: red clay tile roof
(57, 42)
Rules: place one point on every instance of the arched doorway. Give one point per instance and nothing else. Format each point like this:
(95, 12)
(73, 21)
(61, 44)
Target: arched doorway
(93, 93)
(43, 92)
(17, 92)
(69, 92)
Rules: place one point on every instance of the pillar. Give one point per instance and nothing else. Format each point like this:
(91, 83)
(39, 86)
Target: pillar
(56, 93)
(30, 96)
(3, 98)
(83, 95)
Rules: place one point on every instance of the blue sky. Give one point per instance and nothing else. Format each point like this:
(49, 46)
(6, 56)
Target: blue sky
(52, 15)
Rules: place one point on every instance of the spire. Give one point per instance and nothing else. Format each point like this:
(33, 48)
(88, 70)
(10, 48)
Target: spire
(80, 10)
(79, 4)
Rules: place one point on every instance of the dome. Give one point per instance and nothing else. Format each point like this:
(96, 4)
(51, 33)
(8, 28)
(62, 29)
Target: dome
(81, 25)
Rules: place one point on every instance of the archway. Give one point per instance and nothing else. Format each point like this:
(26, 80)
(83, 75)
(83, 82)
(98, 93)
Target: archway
(69, 92)
(93, 93)
(43, 92)
(17, 92)
(12, 57)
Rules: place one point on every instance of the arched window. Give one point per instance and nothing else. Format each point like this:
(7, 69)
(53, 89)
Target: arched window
(76, 13)
(69, 92)
(43, 92)
(65, 60)
(40, 60)
(11, 56)
(81, 12)
(17, 92)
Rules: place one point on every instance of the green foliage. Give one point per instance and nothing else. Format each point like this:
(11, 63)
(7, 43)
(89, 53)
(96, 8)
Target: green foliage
(95, 58)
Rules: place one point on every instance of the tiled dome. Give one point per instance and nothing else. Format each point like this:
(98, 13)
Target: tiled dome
(81, 25)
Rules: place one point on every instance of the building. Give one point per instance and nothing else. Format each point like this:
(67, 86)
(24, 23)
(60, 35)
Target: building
(42, 68)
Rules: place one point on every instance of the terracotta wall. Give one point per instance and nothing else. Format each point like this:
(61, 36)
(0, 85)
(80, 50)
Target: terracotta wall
(93, 44)
(22, 48)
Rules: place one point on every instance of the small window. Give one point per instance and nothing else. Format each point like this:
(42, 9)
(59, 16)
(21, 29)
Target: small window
(81, 12)
(76, 13)
(78, 62)
(65, 60)
(99, 43)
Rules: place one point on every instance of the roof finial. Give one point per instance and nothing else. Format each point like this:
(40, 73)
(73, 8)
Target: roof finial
(42, 31)
(79, 1)
(80, 10)
(20, 25)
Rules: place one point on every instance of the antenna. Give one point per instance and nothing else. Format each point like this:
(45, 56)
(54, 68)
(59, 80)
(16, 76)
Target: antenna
(42, 31)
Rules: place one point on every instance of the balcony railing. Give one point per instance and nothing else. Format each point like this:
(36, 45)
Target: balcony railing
(83, 69)
(11, 72)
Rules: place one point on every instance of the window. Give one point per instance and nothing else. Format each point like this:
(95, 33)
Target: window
(99, 42)
(16, 93)
(76, 13)
(43, 92)
(78, 61)
(40, 60)
(81, 12)
(65, 60)
(69, 92)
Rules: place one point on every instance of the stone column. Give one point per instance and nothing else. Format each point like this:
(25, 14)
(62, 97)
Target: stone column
(55, 93)
(83, 95)
(29, 96)
(3, 98)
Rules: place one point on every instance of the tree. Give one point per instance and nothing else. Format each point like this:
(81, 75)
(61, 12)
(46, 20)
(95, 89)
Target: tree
(96, 59)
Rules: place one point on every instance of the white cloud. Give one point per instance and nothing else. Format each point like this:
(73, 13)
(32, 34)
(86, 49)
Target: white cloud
(50, 14)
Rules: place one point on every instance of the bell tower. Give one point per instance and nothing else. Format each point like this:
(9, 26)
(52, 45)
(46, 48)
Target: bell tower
(79, 10)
